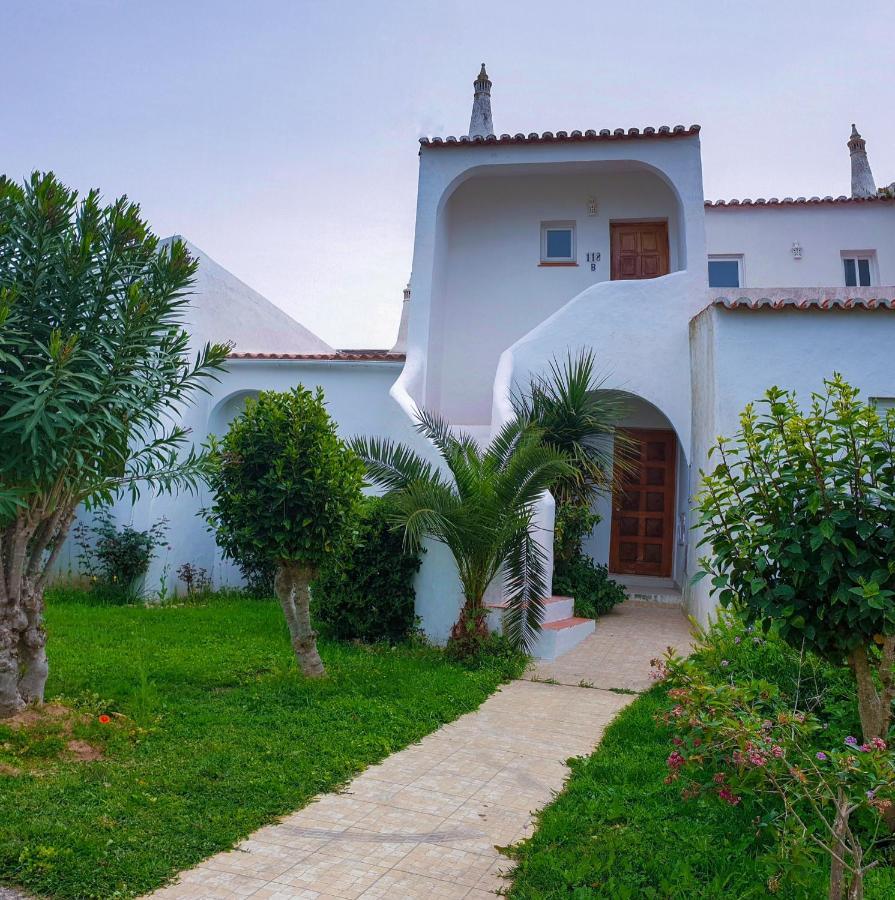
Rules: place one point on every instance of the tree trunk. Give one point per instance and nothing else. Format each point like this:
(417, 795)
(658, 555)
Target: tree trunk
(292, 588)
(473, 621)
(24, 570)
(874, 716)
(874, 706)
(10, 698)
(840, 851)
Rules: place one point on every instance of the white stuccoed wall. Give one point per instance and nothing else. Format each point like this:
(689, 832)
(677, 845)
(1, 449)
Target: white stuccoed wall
(765, 235)
(738, 354)
(675, 161)
(494, 290)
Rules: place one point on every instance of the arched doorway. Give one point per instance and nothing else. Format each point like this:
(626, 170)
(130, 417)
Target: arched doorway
(642, 533)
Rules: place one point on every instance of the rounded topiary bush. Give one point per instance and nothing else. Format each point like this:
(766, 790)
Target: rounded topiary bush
(365, 589)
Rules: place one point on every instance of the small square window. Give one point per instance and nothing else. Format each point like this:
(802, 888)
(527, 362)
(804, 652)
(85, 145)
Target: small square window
(558, 242)
(725, 271)
(858, 269)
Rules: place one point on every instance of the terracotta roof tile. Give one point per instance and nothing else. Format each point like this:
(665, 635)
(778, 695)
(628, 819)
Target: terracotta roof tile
(800, 298)
(797, 201)
(339, 356)
(550, 137)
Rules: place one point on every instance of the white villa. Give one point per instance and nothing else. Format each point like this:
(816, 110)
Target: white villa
(528, 246)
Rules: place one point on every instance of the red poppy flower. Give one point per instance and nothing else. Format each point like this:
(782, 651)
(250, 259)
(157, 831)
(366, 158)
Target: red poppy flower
(104, 719)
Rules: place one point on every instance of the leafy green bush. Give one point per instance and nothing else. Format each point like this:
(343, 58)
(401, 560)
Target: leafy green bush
(365, 589)
(735, 736)
(572, 524)
(285, 489)
(798, 514)
(589, 583)
(117, 557)
(491, 653)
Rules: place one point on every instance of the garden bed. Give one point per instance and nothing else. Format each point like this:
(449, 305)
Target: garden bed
(621, 829)
(205, 731)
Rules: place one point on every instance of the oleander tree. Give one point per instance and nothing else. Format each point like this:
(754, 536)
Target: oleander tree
(799, 515)
(95, 369)
(481, 508)
(285, 490)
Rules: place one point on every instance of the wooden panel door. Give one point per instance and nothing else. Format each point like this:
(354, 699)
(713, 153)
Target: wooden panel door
(642, 528)
(639, 250)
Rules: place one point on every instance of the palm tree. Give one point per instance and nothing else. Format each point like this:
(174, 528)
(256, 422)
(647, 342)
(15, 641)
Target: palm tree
(578, 417)
(481, 509)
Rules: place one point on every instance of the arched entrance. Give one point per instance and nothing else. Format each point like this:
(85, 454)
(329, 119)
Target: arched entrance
(642, 533)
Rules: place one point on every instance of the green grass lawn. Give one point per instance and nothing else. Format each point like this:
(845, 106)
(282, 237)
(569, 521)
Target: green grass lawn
(218, 735)
(617, 831)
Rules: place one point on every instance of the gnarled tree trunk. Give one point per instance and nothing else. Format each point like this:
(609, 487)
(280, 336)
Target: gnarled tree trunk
(875, 703)
(292, 586)
(24, 570)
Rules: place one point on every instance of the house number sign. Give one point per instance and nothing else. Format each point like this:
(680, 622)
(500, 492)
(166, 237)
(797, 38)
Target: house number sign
(593, 258)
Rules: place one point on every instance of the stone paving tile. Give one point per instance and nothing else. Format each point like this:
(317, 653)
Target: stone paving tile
(425, 823)
(446, 863)
(408, 886)
(614, 655)
(346, 878)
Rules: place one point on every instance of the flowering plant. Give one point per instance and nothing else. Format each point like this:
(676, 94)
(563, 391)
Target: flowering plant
(730, 739)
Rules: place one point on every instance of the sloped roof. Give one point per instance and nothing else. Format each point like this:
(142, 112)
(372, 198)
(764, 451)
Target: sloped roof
(223, 308)
(797, 201)
(808, 298)
(550, 137)
(335, 356)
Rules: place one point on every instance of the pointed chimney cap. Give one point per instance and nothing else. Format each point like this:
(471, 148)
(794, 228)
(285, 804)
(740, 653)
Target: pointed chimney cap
(854, 131)
(483, 76)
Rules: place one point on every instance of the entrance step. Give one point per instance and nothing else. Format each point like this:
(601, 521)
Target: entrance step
(645, 591)
(561, 629)
(559, 637)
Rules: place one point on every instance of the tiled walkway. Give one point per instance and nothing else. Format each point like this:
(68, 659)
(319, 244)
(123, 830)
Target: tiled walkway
(617, 654)
(424, 823)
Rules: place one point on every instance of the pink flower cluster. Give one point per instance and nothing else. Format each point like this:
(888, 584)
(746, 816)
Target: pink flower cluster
(728, 796)
(675, 760)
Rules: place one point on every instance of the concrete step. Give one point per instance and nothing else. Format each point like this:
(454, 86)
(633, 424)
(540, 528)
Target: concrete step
(561, 636)
(650, 591)
(555, 609)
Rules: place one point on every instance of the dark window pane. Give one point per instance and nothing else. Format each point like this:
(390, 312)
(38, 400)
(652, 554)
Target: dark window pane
(864, 272)
(851, 278)
(559, 243)
(724, 273)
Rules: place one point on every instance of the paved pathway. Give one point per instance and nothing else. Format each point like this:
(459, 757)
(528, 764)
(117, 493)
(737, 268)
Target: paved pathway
(424, 823)
(617, 654)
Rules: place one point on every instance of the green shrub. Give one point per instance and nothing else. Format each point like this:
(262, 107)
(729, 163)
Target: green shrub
(117, 557)
(285, 489)
(572, 524)
(365, 590)
(492, 653)
(798, 514)
(589, 583)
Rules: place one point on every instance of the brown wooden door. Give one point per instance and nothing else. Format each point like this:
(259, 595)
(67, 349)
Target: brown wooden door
(642, 533)
(639, 249)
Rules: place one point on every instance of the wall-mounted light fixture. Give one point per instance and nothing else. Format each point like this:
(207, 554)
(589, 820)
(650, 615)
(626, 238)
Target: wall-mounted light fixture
(796, 250)
(591, 206)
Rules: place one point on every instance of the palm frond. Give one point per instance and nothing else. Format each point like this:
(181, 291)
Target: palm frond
(391, 465)
(526, 582)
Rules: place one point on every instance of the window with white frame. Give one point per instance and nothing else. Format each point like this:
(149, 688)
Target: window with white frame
(726, 271)
(558, 242)
(858, 268)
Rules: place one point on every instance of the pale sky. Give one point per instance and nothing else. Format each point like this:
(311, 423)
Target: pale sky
(280, 136)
